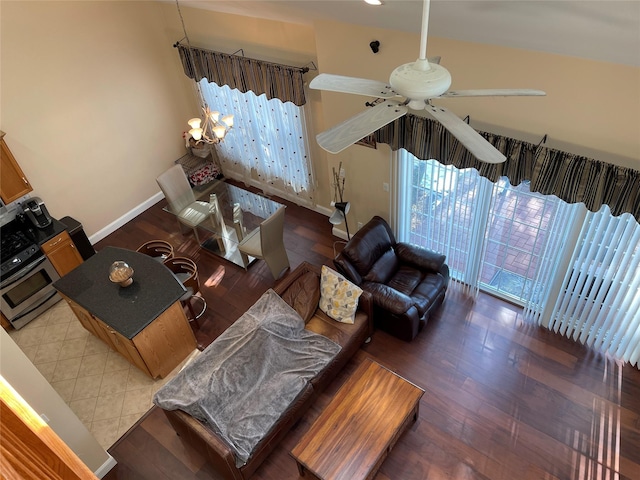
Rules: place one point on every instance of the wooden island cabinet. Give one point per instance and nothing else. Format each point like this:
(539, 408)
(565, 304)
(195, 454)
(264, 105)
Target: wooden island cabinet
(144, 322)
(156, 350)
(13, 181)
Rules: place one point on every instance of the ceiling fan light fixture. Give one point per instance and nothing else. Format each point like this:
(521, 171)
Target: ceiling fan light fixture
(418, 83)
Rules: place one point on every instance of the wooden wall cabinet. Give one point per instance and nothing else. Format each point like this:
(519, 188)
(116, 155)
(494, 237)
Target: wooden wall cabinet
(4, 322)
(156, 350)
(62, 253)
(13, 182)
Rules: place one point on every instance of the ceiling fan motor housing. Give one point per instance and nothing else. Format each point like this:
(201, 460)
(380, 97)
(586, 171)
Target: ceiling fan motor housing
(416, 83)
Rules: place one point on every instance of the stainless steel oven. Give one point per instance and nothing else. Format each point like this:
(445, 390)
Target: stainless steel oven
(29, 292)
(27, 276)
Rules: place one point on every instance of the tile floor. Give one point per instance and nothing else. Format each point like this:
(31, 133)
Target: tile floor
(106, 392)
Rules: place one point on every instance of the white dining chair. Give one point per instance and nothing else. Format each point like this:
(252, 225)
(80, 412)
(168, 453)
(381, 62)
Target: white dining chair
(267, 243)
(182, 201)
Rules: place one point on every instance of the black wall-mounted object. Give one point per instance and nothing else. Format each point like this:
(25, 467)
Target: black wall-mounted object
(375, 46)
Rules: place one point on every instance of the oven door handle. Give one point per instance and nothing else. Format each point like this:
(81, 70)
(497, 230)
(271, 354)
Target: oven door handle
(22, 273)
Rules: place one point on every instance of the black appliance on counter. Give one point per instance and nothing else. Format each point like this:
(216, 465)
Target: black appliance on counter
(36, 211)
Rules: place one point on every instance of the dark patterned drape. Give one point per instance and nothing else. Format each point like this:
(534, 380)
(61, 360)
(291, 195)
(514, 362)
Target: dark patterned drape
(272, 79)
(572, 178)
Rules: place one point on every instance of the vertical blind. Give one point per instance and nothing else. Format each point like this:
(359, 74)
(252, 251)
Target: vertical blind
(586, 284)
(599, 304)
(438, 207)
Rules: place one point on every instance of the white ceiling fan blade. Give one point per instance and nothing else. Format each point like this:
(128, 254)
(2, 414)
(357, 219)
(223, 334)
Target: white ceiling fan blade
(495, 92)
(359, 86)
(359, 126)
(467, 136)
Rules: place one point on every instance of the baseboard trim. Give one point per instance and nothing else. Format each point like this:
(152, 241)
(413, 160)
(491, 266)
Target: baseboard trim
(130, 215)
(339, 233)
(106, 467)
(323, 210)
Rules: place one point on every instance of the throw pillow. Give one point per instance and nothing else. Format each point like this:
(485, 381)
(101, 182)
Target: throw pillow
(303, 295)
(338, 296)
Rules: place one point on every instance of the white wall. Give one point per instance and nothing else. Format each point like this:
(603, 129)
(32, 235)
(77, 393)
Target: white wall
(92, 103)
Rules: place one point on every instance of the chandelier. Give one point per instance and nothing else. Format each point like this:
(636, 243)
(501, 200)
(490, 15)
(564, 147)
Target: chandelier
(214, 128)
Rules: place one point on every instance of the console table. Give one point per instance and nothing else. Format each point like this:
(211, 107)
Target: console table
(144, 322)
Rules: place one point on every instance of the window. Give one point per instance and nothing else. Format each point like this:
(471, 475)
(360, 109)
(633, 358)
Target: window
(268, 142)
(518, 231)
(494, 236)
(575, 272)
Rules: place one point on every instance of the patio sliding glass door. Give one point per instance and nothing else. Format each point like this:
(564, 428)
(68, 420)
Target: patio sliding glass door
(575, 272)
(497, 237)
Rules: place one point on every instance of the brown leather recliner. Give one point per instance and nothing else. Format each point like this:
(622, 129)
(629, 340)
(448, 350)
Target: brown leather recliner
(406, 282)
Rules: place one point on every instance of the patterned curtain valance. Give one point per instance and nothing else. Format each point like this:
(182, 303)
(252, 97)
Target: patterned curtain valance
(570, 177)
(275, 80)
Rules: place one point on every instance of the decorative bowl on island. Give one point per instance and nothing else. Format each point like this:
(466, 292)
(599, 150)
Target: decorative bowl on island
(121, 273)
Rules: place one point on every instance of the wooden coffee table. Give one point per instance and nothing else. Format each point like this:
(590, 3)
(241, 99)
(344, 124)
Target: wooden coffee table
(355, 432)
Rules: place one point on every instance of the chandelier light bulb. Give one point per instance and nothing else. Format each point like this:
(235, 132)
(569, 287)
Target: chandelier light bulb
(196, 133)
(228, 120)
(214, 116)
(219, 131)
(194, 123)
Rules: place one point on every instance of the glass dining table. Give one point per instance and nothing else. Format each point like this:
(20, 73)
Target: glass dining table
(233, 214)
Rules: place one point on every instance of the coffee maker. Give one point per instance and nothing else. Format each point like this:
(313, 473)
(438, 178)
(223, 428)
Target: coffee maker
(36, 211)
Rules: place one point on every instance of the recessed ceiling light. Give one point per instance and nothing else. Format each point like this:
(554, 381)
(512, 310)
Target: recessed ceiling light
(374, 2)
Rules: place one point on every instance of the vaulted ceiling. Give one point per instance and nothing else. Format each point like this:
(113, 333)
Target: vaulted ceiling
(603, 30)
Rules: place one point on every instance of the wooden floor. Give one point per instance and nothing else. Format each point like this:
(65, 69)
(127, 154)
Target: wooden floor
(503, 399)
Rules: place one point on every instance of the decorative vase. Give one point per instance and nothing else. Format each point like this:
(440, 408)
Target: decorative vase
(201, 151)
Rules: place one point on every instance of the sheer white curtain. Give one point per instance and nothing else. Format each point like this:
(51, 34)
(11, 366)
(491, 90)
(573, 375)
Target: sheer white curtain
(268, 142)
(256, 204)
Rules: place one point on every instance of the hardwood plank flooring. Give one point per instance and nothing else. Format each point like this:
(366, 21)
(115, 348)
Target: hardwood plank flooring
(504, 399)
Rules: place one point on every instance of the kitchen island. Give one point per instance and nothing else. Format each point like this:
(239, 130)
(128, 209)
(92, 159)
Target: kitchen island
(144, 322)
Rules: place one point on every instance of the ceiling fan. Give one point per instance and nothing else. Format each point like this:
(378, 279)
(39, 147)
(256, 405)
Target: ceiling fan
(417, 83)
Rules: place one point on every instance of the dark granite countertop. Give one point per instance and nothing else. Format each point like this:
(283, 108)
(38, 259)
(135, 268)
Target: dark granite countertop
(42, 235)
(128, 310)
